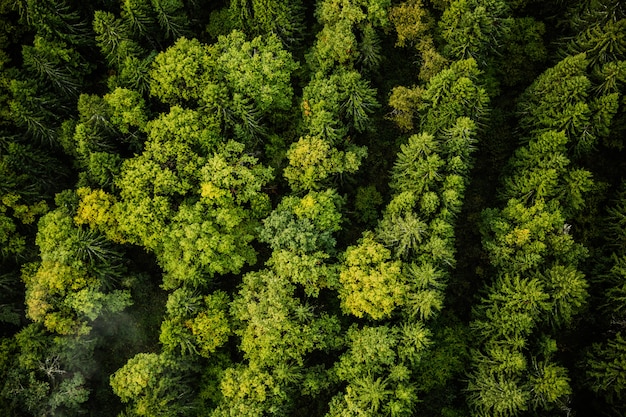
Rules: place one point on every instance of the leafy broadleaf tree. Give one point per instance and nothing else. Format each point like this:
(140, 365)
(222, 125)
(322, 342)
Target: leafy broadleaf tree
(153, 384)
(313, 163)
(240, 84)
(67, 290)
(371, 283)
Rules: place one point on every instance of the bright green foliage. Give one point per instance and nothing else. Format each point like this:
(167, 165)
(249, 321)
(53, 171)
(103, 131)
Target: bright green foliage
(529, 242)
(428, 181)
(336, 105)
(348, 36)
(425, 297)
(212, 235)
(502, 359)
(253, 392)
(412, 21)
(405, 103)
(95, 209)
(521, 238)
(128, 110)
(458, 144)
(152, 383)
(231, 170)
(371, 283)
(418, 166)
(452, 93)
(195, 324)
(313, 272)
(336, 45)
(512, 310)
(568, 292)
(277, 332)
(542, 164)
(377, 370)
(471, 26)
(223, 196)
(236, 82)
(65, 291)
(354, 11)
(276, 325)
(313, 162)
(181, 128)
(415, 24)
(203, 241)
(496, 395)
(211, 329)
(181, 72)
(429, 184)
(304, 225)
(169, 166)
(357, 309)
(259, 70)
(549, 385)
(64, 242)
(403, 232)
(542, 171)
(51, 281)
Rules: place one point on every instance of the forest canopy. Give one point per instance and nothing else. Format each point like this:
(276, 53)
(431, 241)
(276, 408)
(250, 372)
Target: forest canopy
(333, 208)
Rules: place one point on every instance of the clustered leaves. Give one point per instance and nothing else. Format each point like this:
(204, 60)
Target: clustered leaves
(337, 208)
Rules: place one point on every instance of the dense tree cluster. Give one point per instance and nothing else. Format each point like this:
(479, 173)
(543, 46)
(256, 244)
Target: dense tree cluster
(335, 208)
